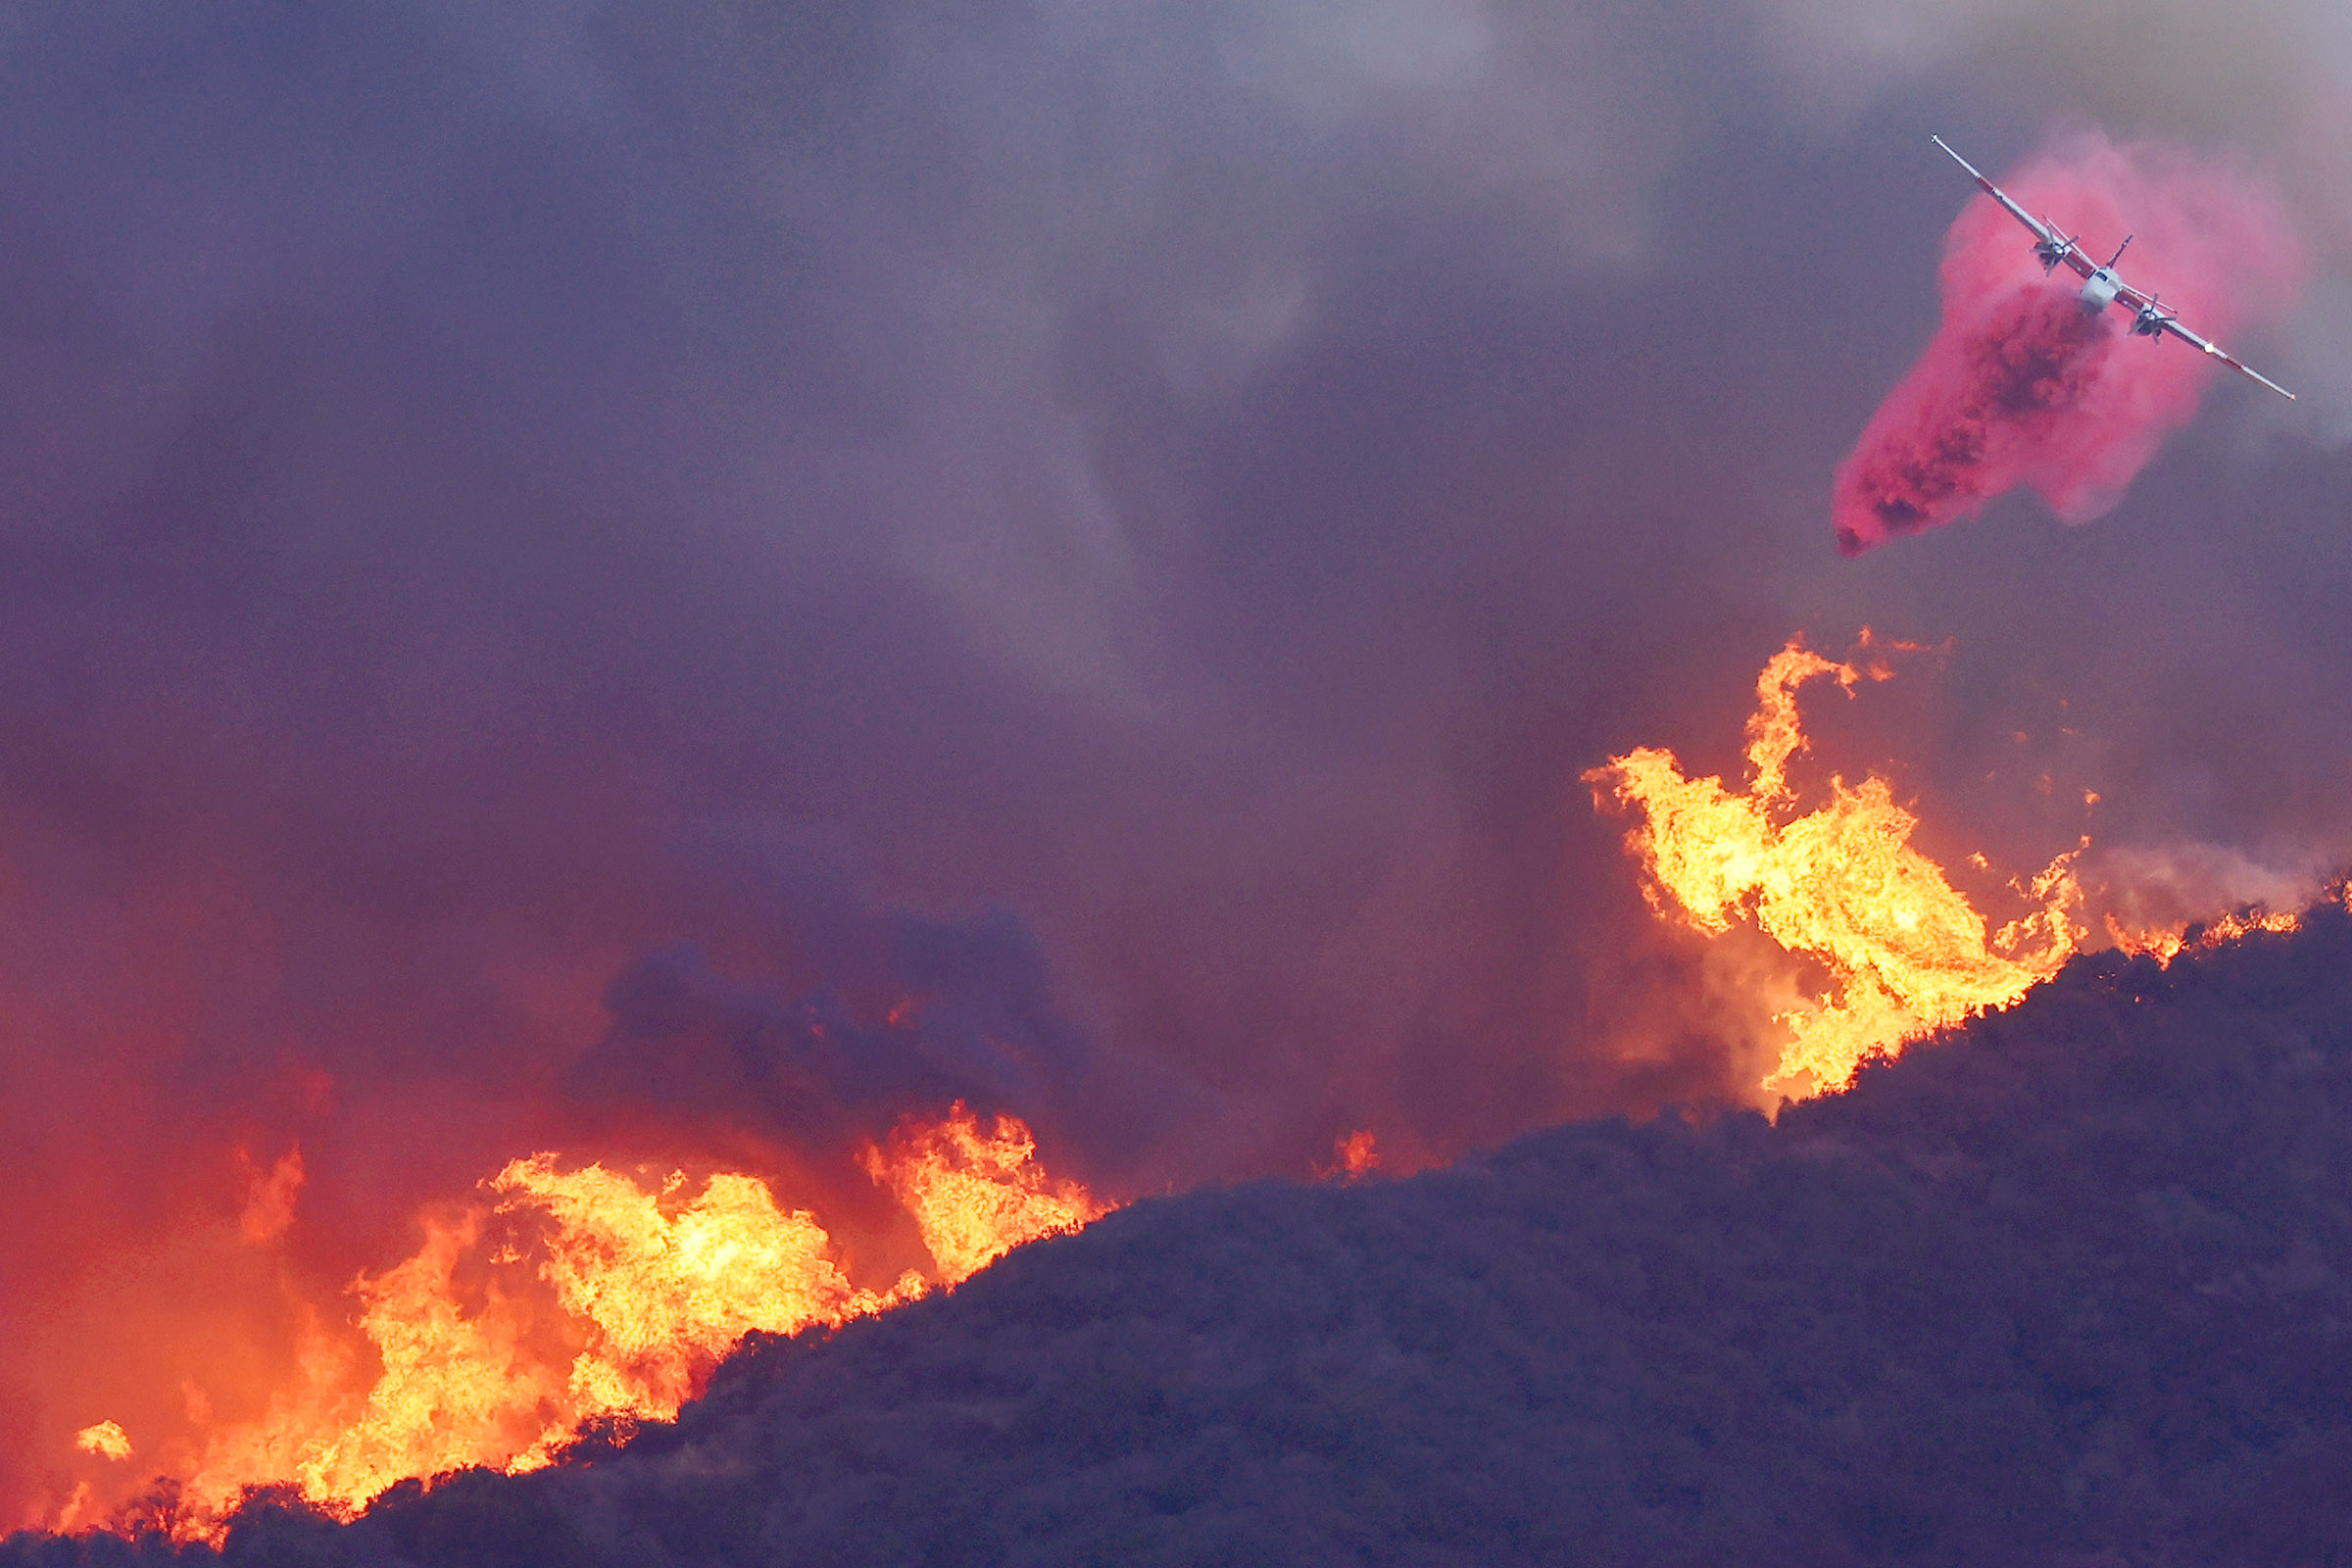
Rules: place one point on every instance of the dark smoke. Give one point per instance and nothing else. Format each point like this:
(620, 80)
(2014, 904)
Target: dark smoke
(913, 1013)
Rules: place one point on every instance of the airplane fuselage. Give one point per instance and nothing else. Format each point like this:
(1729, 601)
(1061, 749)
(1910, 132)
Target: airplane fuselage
(2099, 290)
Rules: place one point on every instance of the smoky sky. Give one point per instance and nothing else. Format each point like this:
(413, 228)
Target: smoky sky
(495, 497)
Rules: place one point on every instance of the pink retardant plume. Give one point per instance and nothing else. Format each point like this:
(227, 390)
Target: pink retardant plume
(2021, 386)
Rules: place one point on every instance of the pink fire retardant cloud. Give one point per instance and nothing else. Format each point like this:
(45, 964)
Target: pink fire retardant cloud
(2021, 386)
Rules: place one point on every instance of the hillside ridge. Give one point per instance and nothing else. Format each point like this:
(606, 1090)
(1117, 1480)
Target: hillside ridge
(2071, 1285)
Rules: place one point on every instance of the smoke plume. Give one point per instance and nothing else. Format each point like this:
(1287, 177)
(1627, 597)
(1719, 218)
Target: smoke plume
(2022, 385)
(911, 1014)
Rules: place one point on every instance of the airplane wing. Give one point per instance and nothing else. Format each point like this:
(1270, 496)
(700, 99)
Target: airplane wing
(2041, 230)
(2214, 351)
(2132, 299)
(2126, 295)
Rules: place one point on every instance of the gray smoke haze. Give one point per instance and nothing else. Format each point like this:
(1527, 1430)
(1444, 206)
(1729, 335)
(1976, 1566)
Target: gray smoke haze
(492, 495)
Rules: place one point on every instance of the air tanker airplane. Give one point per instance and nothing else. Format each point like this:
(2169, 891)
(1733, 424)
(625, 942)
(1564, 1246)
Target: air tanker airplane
(2103, 286)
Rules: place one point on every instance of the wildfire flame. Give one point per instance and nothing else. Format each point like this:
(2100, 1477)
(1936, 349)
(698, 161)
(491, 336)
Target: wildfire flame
(570, 1296)
(1840, 884)
(107, 1440)
(976, 1196)
(2165, 945)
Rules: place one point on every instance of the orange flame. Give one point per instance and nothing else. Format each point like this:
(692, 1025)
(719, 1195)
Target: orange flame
(1841, 884)
(1353, 1157)
(580, 1296)
(976, 1196)
(2165, 943)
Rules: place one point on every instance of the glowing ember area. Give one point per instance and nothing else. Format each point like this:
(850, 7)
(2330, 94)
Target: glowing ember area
(575, 1297)
(976, 1196)
(1841, 885)
(1353, 1157)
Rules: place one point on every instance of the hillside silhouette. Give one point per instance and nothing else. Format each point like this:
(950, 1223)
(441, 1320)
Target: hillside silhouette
(2072, 1285)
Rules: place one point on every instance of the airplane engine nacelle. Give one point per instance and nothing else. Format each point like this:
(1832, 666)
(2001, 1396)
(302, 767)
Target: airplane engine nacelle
(2098, 291)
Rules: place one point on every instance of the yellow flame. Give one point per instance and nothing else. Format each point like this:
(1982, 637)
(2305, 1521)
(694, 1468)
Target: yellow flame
(976, 1196)
(107, 1440)
(632, 1295)
(1841, 884)
(458, 1385)
(663, 1293)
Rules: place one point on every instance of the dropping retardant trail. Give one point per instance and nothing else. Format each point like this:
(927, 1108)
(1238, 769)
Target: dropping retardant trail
(2022, 385)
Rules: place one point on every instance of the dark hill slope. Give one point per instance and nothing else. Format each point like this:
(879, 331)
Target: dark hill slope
(2073, 1286)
